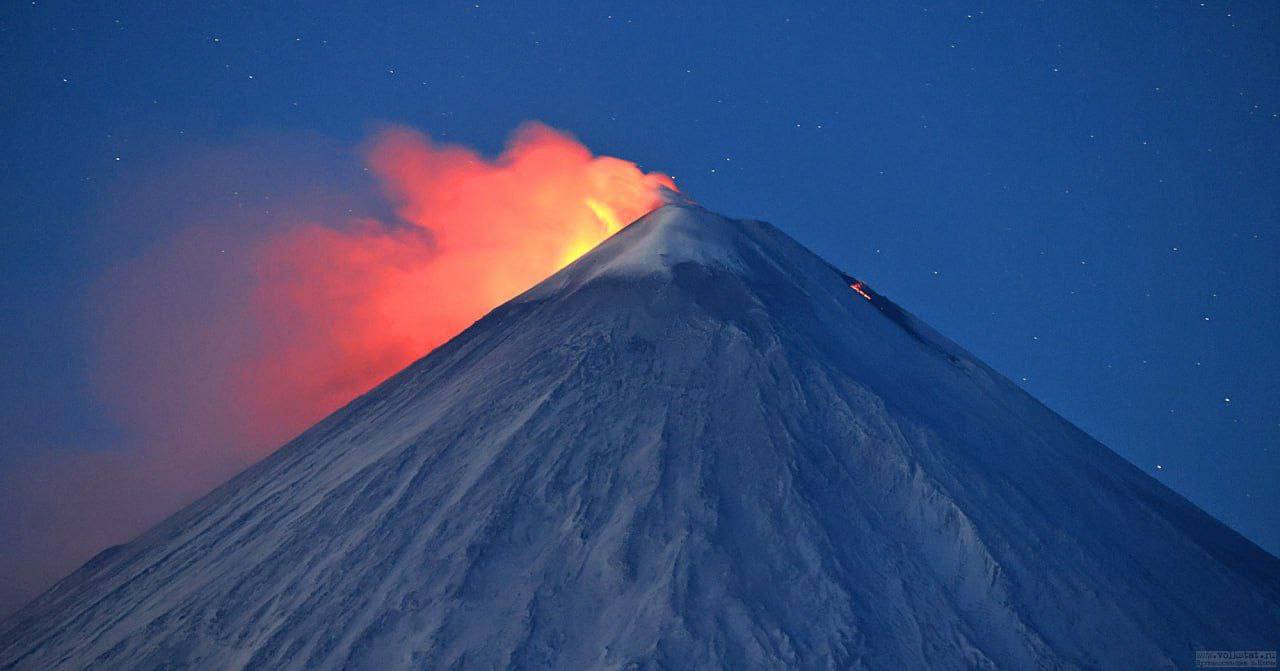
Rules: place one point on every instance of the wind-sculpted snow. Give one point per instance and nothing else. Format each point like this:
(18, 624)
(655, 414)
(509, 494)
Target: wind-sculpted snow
(694, 447)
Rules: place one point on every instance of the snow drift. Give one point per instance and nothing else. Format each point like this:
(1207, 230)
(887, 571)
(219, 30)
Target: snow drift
(696, 446)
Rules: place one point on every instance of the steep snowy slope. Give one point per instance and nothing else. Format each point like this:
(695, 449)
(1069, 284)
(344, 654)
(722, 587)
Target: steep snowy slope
(697, 446)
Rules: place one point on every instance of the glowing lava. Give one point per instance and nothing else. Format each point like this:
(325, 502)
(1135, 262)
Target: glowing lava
(582, 244)
(247, 324)
(308, 314)
(606, 216)
(363, 302)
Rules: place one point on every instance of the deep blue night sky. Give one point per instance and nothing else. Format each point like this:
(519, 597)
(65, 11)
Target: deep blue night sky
(1085, 195)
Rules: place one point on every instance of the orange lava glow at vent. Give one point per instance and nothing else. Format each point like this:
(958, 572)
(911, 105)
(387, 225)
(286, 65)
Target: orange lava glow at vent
(859, 287)
(249, 317)
(327, 308)
(481, 232)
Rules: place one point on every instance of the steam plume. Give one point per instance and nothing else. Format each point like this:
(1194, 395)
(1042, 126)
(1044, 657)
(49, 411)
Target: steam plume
(227, 337)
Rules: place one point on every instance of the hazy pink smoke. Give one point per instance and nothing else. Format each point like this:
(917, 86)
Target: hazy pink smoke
(223, 341)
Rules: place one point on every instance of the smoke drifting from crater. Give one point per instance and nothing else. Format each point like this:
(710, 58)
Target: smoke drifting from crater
(244, 324)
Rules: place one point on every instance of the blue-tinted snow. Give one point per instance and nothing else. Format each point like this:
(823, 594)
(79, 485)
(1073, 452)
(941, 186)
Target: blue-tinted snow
(696, 447)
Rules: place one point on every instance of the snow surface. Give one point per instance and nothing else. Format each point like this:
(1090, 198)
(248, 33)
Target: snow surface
(694, 447)
(680, 233)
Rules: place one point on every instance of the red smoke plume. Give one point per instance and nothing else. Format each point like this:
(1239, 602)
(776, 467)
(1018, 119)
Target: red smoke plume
(228, 338)
(340, 310)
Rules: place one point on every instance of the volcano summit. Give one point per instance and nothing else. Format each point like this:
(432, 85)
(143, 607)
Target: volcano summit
(699, 445)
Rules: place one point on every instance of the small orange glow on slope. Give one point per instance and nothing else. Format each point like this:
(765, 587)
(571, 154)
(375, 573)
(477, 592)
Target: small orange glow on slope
(860, 288)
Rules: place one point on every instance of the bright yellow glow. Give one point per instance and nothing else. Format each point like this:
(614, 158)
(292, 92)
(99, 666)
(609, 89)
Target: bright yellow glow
(575, 250)
(606, 216)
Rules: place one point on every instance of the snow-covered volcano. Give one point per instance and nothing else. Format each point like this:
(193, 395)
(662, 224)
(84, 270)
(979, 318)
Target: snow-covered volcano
(697, 446)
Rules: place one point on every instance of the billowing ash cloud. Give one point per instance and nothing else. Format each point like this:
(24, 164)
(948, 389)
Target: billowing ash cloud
(262, 310)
